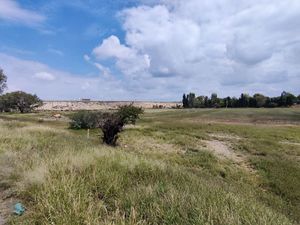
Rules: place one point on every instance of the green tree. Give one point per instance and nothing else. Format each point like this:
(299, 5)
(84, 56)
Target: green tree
(19, 101)
(199, 102)
(234, 102)
(206, 101)
(3, 80)
(84, 120)
(214, 100)
(287, 99)
(244, 100)
(260, 100)
(185, 102)
(227, 102)
(130, 113)
(111, 125)
(191, 100)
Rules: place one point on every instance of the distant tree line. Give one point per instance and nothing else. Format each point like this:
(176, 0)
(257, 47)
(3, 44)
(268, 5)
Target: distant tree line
(286, 99)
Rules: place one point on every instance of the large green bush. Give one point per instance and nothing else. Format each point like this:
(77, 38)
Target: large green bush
(89, 120)
(130, 113)
(111, 124)
(84, 120)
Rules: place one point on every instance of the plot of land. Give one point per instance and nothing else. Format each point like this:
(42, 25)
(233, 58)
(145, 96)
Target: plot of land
(206, 166)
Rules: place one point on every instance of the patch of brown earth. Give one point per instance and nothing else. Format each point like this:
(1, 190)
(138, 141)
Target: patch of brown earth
(223, 151)
(225, 136)
(101, 105)
(289, 143)
(6, 205)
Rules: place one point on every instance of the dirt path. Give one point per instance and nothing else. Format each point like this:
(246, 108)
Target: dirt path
(225, 136)
(223, 150)
(289, 143)
(2, 221)
(2, 210)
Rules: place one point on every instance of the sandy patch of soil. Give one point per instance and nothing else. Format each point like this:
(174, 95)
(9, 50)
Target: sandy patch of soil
(2, 221)
(101, 105)
(289, 143)
(6, 205)
(134, 126)
(223, 150)
(225, 136)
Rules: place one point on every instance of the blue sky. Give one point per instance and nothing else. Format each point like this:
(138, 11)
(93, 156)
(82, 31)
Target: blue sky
(149, 49)
(67, 31)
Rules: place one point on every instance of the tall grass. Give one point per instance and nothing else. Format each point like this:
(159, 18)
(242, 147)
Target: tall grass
(64, 178)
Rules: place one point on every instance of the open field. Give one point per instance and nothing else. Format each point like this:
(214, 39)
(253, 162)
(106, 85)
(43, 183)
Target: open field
(198, 166)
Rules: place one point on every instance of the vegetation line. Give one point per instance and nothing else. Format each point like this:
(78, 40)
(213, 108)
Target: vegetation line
(256, 101)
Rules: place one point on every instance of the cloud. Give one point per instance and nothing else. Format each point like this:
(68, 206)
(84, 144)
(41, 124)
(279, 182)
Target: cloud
(55, 51)
(30, 76)
(94, 31)
(86, 58)
(111, 48)
(17, 51)
(103, 70)
(128, 60)
(172, 46)
(242, 51)
(10, 10)
(44, 76)
(210, 46)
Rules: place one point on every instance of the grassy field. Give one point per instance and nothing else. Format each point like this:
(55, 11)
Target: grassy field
(206, 166)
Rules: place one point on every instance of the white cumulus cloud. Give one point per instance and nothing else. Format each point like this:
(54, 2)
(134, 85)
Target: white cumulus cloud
(10, 10)
(207, 46)
(128, 60)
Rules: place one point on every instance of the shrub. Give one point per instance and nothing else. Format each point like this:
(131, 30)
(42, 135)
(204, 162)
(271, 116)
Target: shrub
(129, 113)
(84, 120)
(19, 101)
(111, 124)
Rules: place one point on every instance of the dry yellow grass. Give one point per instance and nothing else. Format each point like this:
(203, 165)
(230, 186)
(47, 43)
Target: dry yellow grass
(159, 174)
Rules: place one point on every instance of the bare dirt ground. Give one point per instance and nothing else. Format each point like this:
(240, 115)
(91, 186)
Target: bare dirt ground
(225, 136)
(223, 150)
(6, 205)
(101, 105)
(290, 143)
(2, 221)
